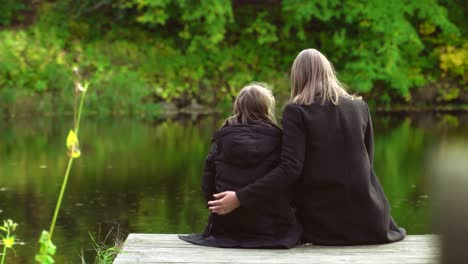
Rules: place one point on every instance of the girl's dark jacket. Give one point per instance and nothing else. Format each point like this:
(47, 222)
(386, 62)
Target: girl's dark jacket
(327, 151)
(240, 155)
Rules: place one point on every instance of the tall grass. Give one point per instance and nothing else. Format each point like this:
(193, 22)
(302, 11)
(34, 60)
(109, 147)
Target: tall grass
(105, 251)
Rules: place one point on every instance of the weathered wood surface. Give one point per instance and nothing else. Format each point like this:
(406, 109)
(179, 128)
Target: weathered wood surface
(163, 248)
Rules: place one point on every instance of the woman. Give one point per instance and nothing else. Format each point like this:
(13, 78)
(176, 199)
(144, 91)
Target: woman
(327, 152)
(245, 148)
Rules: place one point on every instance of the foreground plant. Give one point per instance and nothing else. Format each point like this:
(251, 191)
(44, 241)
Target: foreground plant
(47, 248)
(105, 253)
(8, 239)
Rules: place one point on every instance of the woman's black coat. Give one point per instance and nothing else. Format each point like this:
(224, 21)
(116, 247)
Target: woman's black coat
(327, 152)
(240, 155)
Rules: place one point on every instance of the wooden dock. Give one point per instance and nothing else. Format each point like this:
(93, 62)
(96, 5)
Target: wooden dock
(164, 248)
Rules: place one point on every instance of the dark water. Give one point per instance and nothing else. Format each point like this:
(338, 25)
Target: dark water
(144, 176)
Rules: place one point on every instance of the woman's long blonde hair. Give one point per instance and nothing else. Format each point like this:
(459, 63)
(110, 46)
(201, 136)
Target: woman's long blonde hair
(254, 104)
(313, 75)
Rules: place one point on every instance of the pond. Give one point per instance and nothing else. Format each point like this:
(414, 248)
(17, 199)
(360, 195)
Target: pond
(144, 176)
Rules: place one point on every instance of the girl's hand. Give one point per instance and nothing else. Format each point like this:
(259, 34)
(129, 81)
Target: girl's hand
(225, 203)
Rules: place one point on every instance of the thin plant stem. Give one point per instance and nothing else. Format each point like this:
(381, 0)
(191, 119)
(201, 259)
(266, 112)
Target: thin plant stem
(67, 172)
(59, 201)
(74, 111)
(3, 254)
(77, 127)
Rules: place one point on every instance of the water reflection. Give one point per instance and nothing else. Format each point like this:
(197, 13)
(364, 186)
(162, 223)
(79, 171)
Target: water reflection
(144, 176)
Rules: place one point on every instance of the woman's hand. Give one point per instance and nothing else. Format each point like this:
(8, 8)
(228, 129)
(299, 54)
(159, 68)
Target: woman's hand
(225, 203)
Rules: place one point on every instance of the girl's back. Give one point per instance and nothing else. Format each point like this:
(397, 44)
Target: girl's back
(247, 147)
(243, 154)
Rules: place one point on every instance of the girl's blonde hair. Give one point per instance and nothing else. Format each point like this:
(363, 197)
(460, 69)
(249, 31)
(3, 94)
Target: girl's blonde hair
(254, 104)
(313, 75)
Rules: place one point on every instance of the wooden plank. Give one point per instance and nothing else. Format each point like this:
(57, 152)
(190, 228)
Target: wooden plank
(168, 248)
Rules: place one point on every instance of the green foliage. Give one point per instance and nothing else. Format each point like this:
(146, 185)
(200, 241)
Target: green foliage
(139, 53)
(449, 94)
(7, 238)
(33, 61)
(202, 23)
(47, 249)
(9, 11)
(373, 41)
(105, 254)
(454, 61)
(32, 64)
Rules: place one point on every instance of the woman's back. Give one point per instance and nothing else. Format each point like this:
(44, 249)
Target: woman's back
(335, 136)
(339, 198)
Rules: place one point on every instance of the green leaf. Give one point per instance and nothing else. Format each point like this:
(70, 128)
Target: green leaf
(44, 259)
(73, 145)
(72, 139)
(47, 249)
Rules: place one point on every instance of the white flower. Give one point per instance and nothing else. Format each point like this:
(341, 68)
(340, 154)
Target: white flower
(79, 88)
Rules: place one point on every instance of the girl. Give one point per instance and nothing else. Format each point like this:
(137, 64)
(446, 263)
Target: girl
(247, 147)
(328, 152)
